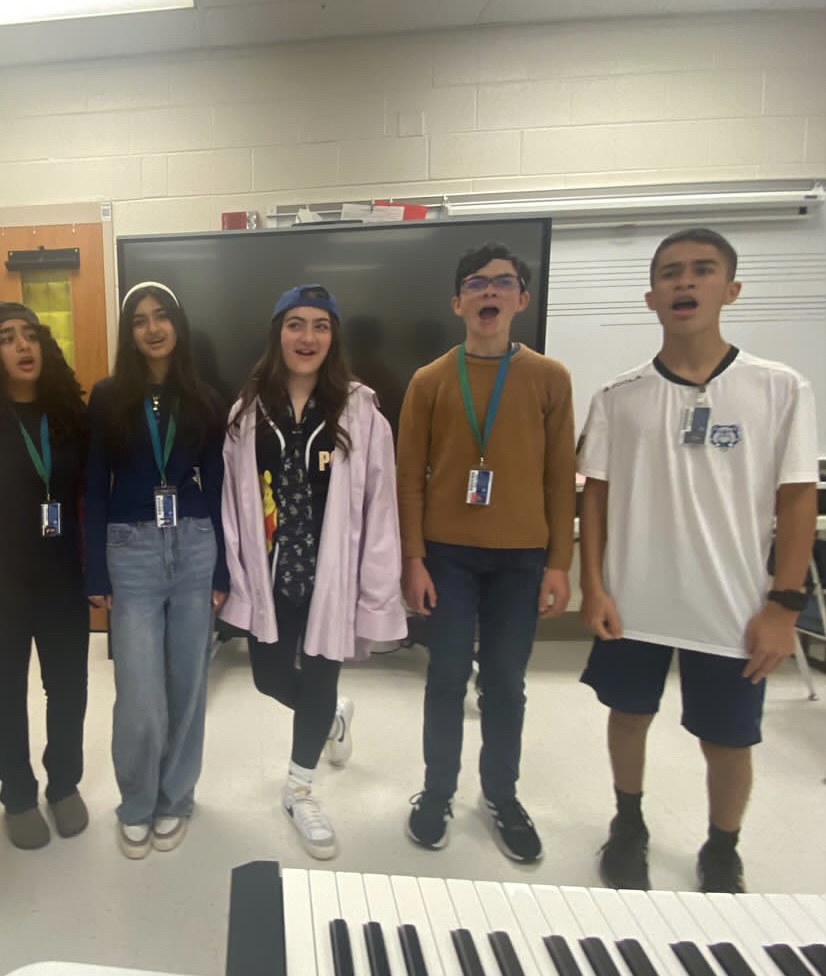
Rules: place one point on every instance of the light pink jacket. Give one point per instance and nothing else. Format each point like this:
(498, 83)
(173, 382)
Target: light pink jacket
(357, 595)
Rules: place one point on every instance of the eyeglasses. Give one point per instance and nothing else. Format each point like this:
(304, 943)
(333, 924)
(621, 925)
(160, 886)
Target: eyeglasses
(505, 282)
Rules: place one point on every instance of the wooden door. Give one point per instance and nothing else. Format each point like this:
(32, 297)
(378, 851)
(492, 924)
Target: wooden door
(84, 340)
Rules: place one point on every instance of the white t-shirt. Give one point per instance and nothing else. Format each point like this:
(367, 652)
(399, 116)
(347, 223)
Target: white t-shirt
(690, 527)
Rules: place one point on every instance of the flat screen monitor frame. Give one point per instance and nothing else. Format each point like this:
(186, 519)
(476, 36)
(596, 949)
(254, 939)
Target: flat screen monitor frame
(393, 282)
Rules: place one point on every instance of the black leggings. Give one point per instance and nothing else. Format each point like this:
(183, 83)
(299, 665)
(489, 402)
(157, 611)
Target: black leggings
(53, 611)
(306, 684)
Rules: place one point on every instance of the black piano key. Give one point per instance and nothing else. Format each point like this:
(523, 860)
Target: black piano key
(691, 959)
(636, 957)
(598, 956)
(376, 950)
(342, 951)
(412, 951)
(561, 955)
(256, 940)
(469, 961)
(816, 954)
(730, 959)
(787, 960)
(509, 964)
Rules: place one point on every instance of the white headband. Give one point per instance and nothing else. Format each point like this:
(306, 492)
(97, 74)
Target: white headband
(149, 284)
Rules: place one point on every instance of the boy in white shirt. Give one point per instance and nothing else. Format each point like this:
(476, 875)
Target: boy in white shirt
(688, 460)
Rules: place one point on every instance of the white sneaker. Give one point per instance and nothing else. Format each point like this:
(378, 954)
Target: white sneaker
(168, 832)
(134, 840)
(314, 829)
(340, 741)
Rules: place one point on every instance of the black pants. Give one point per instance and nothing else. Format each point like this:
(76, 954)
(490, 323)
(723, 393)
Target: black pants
(306, 684)
(51, 609)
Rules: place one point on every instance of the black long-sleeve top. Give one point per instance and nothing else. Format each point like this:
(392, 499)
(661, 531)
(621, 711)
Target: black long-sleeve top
(26, 556)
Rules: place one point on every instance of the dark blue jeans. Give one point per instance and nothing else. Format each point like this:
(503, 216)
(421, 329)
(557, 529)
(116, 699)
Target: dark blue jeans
(500, 589)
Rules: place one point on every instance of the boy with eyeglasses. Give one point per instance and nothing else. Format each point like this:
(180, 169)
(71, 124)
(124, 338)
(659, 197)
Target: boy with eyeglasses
(688, 460)
(486, 481)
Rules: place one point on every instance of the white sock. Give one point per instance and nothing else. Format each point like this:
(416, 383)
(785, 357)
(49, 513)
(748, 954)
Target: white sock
(299, 779)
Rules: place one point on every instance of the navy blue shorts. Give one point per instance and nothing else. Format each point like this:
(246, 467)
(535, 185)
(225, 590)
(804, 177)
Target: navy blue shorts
(720, 706)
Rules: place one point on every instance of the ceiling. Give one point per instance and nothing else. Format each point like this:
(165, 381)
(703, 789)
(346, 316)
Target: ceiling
(233, 23)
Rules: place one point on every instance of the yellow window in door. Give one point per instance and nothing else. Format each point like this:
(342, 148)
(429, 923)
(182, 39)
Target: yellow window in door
(49, 293)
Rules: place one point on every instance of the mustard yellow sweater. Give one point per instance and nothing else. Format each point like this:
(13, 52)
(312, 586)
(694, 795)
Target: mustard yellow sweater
(530, 451)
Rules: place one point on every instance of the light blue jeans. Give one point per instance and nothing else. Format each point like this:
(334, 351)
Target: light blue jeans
(161, 622)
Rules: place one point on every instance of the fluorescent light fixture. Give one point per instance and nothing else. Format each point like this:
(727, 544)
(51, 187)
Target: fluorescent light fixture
(35, 11)
(627, 203)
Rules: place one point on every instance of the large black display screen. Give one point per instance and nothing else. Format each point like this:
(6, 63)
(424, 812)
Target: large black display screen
(393, 284)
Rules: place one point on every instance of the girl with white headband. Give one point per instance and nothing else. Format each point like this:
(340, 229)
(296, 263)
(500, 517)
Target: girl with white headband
(156, 560)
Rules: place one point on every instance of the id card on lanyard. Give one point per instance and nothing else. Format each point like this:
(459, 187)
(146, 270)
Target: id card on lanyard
(480, 480)
(694, 421)
(51, 524)
(166, 497)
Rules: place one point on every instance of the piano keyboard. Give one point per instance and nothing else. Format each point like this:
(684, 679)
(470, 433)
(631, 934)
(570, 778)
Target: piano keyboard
(290, 922)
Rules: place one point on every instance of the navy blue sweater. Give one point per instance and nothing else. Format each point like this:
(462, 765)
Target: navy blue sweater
(122, 488)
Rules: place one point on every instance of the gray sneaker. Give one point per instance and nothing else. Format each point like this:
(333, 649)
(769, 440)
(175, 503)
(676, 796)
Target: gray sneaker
(28, 830)
(314, 829)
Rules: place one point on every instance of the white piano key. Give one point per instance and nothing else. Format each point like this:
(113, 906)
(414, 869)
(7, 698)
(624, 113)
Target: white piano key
(717, 930)
(411, 910)
(443, 921)
(562, 921)
(814, 905)
(771, 926)
(658, 934)
(324, 897)
(532, 921)
(756, 924)
(501, 918)
(471, 916)
(592, 922)
(382, 908)
(352, 904)
(801, 923)
(299, 934)
(683, 924)
(625, 925)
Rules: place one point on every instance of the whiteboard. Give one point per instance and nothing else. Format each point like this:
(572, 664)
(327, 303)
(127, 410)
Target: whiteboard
(598, 324)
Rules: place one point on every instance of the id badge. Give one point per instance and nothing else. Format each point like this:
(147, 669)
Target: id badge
(50, 521)
(166, 508)
(694, 425)
(479, 484)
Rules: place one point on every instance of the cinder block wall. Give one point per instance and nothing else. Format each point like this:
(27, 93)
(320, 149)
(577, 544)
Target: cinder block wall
(174, 140)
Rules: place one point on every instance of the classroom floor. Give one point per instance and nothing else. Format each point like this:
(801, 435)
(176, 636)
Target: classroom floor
(80, 900)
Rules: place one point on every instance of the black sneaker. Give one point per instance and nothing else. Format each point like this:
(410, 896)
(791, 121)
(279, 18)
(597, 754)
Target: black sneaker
(720, 870)
(624, 860)
(513, 829)
(427, 823)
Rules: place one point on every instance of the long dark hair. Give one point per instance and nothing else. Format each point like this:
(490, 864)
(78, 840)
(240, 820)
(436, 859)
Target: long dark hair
(268, 380)
(58, 391)
(200, 412)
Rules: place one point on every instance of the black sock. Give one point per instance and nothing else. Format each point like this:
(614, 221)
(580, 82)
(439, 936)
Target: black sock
(723, 841)
(629, 807)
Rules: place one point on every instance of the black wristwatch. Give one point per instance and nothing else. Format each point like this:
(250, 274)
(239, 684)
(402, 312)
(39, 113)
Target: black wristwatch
(789, 599)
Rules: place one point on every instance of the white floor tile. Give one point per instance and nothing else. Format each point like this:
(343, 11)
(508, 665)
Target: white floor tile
(80, 900)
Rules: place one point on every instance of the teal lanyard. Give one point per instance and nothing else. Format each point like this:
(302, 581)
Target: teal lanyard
(153, 423)
(493, 406)
(42, 465)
